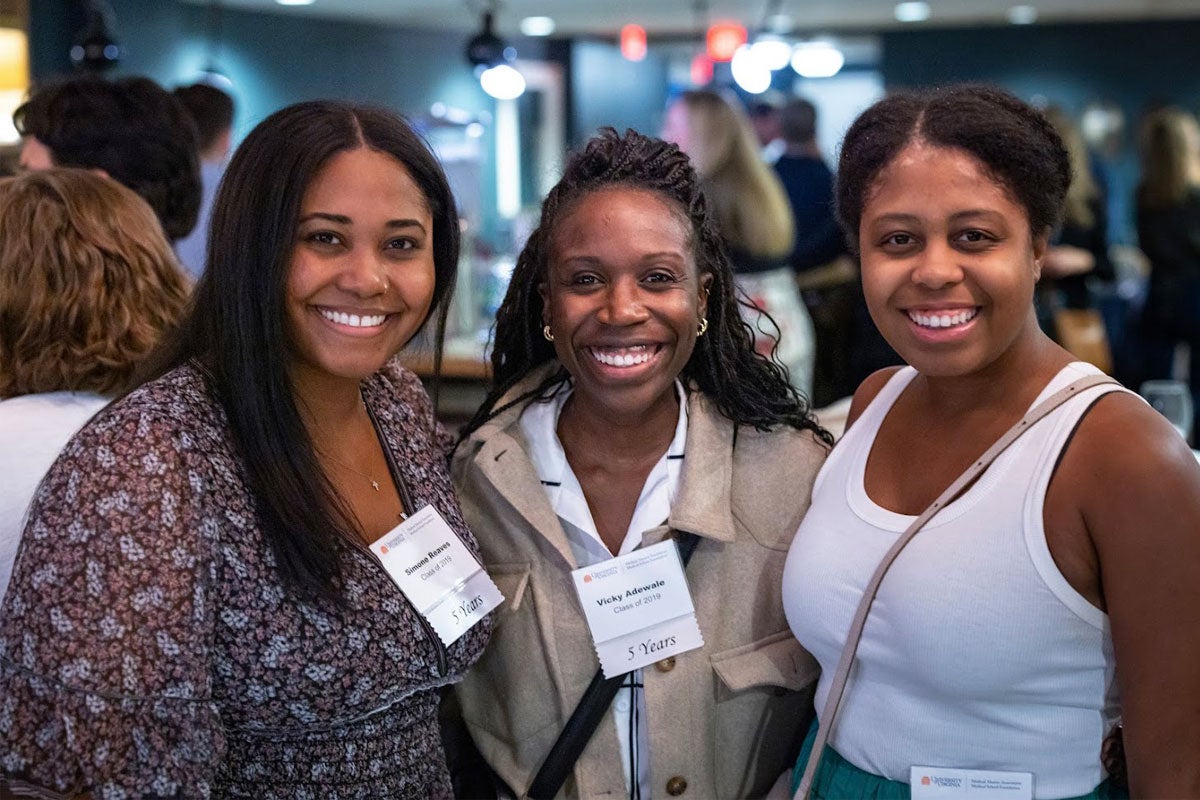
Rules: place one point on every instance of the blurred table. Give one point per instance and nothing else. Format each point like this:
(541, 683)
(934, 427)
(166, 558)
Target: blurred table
(465, 376)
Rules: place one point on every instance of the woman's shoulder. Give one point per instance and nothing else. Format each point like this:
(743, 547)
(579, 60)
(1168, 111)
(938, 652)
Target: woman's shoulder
(172, 414)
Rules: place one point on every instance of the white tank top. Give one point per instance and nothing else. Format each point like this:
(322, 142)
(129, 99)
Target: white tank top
(977, 653)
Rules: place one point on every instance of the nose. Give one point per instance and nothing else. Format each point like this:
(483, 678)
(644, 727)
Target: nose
(937, 266)
(363, 272)
(623, 303)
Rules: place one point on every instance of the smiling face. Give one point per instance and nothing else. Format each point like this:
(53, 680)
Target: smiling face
(948, 262)
(361, 277)
(623, 299)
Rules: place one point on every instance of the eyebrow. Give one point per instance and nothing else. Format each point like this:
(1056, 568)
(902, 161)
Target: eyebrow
(955, 217)
(342, 219)
(665, 254)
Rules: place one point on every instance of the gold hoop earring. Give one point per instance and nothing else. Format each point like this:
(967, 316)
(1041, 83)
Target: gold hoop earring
(546, 332)
(702, 327)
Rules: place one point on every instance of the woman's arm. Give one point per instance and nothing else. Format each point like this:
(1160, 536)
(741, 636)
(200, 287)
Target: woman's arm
(1139, 491)
(106, 629)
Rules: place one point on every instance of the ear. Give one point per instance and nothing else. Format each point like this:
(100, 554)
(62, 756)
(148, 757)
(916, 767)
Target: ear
(1041, 244)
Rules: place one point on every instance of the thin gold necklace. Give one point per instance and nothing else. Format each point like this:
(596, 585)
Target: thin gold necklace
(340, 463)
(374, 483)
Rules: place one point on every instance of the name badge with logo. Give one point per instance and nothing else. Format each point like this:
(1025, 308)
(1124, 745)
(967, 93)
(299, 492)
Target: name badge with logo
(940, 783)
(638, 608)
(437, 573)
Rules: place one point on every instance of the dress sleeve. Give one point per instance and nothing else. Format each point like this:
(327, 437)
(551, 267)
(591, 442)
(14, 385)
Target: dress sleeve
(106, 630)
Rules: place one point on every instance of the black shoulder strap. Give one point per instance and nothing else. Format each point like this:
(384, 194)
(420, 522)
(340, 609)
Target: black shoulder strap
(587, 714)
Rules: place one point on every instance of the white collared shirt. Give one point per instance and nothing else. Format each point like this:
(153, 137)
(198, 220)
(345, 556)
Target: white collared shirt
(539, 424)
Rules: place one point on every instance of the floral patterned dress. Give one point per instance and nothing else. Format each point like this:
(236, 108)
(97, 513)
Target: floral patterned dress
(148, 647)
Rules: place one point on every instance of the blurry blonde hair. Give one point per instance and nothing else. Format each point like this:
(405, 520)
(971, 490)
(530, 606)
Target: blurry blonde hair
(88, 283)
(747, 199)
(1170, 145)
(1082, 191)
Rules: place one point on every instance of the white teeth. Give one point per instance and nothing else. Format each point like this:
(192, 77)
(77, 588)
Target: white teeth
(621, 357)
(353, 320)
(946, 320)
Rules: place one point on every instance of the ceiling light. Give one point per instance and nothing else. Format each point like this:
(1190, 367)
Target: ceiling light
(633, 42)
(502, 82)
(772, 52)
(1022, 15)
(295, 2)
(490, 56)
(750, 72)
(912, 12)
(537, 26)
(817, 60)
(723, 39)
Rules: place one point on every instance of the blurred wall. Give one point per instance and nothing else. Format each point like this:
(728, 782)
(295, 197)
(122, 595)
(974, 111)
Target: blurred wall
(277, 58)
(607, 89)
(1134, 65)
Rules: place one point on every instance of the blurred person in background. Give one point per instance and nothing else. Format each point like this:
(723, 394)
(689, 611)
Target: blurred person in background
(88, 286)
(230, 633)
(212, 110)
(763, 113)
(1168, 225)
(1078, 253)
(131, 129)
(753, 217)
(825, 271)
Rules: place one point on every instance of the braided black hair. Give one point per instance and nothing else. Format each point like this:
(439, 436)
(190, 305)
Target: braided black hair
(746, 387)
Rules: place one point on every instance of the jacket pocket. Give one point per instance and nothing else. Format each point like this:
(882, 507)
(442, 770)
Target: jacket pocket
(774, 661)
(763, 708)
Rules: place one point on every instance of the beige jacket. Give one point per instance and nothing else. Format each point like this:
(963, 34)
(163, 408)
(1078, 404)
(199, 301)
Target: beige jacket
(726, 719)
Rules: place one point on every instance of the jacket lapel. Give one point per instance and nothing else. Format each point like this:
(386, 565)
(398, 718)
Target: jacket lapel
(503, 461)
(703, 503)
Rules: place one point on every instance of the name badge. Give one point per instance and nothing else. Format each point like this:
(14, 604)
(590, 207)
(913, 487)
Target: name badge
(437, 573)
(638, 608)
(928, 783)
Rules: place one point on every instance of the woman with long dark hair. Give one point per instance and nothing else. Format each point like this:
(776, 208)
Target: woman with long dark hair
(218, 624)
(629, 406)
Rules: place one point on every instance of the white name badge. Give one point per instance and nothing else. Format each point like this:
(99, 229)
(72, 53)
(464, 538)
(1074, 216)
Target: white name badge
(940, 783)
(437, 573)
(638, 608)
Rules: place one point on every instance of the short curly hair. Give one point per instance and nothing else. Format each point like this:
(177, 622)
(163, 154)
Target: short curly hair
(131, 128)
(746, 387)
(88, 284)
(1015, 142)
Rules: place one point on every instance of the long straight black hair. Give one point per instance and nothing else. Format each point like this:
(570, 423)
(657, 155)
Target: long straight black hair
(236, 330)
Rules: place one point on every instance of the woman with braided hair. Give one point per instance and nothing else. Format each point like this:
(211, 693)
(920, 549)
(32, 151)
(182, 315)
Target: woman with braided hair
(629, 406)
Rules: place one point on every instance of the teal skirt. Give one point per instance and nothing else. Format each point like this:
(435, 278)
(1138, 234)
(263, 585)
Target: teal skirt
(838, 779)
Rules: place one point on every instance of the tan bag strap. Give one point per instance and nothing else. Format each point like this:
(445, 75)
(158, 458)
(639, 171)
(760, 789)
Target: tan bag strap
(842, 674)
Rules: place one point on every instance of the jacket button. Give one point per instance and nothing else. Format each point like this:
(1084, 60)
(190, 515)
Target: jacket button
(666, 665)
(676, 786)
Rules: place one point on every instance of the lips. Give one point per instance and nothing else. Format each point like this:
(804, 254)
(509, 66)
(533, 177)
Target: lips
(948, 318)
(630, 356)
(353, 320)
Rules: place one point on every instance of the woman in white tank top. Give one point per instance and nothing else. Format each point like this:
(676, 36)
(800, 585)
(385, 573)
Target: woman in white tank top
(1060, 593)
